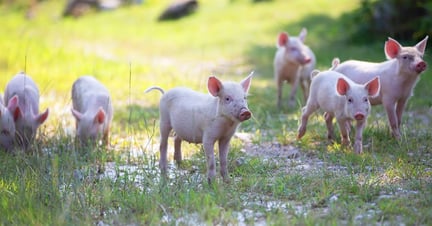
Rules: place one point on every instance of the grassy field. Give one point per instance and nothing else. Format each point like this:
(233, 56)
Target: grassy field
(275, 179)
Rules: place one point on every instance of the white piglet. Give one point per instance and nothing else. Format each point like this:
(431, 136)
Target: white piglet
(27, 116)
(398, 76)
(201, 118)
(7, 123)
(293, 63)
(92, 109)
(342, 98)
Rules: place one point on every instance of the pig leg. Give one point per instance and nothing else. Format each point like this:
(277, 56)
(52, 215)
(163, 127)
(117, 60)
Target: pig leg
(329, 123)
(105, 138)
(223, 156)
(392, 117)
(291, 101)
(165, 129)
(211, 165)
(400, 107)
(307, 111)
(344, 132)
(358, 146)
(177, 150)
(279, 92)
(305, 88)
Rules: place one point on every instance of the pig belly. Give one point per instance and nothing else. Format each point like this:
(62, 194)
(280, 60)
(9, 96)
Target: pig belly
(189, 134)
(186, 125)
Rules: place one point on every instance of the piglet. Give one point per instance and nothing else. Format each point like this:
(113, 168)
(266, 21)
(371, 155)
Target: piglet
(200, 118)
(342, 98)
(92, 109)
(398, 75)
(293, 63)
(7, 123)
(27, 116)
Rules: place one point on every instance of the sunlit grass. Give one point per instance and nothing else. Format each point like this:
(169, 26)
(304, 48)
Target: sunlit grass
(128, 50)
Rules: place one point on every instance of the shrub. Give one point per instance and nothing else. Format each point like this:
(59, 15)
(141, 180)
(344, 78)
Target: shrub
(399, 19)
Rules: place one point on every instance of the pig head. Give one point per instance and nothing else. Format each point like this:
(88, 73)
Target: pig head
(398, 76)
(92, 109)
(27, 116)
(293, 63)
(7, 123)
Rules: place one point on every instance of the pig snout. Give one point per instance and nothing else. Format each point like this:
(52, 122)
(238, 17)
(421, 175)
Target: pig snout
(244, 115)
(307, 60)
(359, 116)
(420, 67)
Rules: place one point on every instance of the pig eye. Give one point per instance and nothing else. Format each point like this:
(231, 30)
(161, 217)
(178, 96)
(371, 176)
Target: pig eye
(350, 100)
(293, 49)
(228, 99)
(365, 99)
(407, 57)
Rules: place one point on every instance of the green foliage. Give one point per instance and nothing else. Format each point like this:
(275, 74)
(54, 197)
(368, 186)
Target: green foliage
(404, 20)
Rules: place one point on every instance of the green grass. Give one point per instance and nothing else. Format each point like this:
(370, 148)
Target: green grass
(128, 50)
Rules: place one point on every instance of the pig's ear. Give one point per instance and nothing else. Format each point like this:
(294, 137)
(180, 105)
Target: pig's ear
(373, 87)
(246, 83)
(392, 48)
(314, 73)
(342, 86)
(282, 39)
(214, 86)
(13, 103)
(76, 114)
(421, 46)
(302, 35)
(100, 116)
(335, 63)
(14, 108)
(42, 117)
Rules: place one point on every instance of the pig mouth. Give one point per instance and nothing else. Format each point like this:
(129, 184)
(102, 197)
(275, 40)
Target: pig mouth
(244, 115)
(418, 70)
(359, 117)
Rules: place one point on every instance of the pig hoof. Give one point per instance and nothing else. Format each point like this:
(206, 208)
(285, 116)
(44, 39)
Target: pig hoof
(358, 148)
(397, 135)
(209, 181)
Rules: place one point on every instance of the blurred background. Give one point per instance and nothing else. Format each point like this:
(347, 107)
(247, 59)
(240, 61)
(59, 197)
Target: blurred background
(132, 44)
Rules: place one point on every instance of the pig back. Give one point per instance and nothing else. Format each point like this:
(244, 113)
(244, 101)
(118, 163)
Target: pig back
(86, 90)
(27, 91)
(88, 94)
(188, 112)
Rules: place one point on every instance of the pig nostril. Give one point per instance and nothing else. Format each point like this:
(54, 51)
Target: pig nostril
(245, 115)
(421, 66)
(359, 116)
